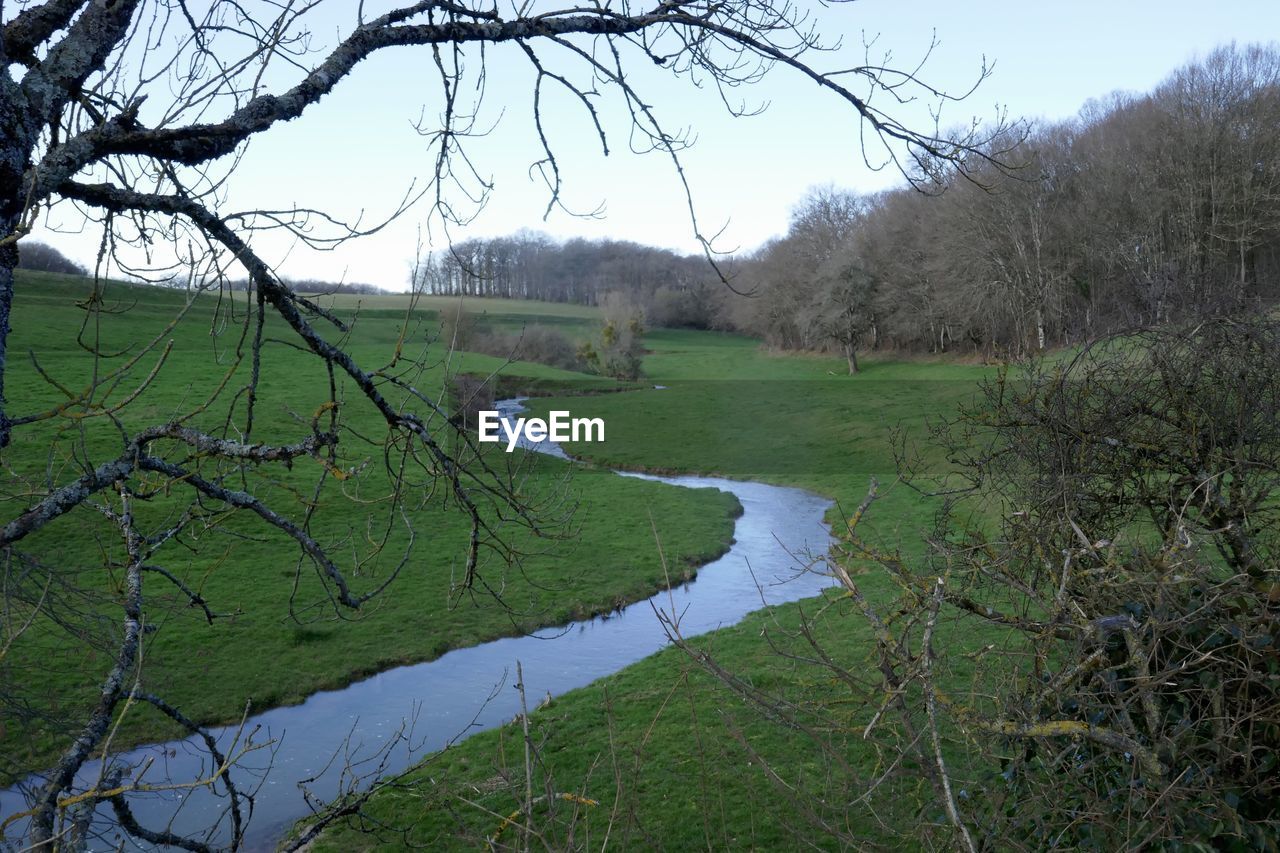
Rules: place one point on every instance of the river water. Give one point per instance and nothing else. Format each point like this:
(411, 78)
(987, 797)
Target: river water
(470, 689)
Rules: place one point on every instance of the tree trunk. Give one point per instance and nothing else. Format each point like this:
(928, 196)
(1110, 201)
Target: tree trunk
(851, 356)
(8, 260)
(14, 156)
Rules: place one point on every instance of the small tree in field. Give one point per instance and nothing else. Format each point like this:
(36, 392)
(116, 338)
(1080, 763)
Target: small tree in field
(846, 305)
(617, 349)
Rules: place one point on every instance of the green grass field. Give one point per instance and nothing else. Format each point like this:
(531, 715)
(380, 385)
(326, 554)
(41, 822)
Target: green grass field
(659, 749)
(661, 726)
(730, 408)
(509, 316)
(654, 744)
(521, 308)
(259, 653)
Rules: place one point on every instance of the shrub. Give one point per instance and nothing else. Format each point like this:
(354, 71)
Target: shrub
(535, 343)
(457, 326)
(1111, 536)
(617, 349)
(547, 346)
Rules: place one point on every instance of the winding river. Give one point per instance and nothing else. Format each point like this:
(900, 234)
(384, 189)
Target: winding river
(470, 689)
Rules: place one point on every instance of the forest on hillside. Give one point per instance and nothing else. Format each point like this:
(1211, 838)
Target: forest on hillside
(1143, 209)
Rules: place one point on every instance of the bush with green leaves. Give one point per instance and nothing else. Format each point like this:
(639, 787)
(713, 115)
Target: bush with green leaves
(617, 350)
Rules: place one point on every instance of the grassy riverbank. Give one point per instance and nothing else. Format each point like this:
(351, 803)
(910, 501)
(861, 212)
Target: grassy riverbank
(661, 728)
(258, 653)
(659, 750)
(728, 407)
(659, 746)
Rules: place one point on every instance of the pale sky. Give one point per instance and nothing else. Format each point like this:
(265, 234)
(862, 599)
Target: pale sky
(357, 150)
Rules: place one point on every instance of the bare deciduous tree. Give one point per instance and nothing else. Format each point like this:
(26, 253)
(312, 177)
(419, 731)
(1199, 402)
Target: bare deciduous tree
(1144, 209)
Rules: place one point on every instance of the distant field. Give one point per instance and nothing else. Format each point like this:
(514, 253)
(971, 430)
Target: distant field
(477, 305)
(731, 408)
(54, 285)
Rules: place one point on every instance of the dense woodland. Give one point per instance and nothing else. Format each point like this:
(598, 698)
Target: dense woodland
(44, 258)
(1143, 209)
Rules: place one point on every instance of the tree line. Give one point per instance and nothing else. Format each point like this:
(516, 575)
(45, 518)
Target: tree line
(41, 257)
(674, 289)
(1143, 209)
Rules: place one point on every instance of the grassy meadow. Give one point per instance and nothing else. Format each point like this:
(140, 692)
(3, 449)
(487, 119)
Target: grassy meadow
(281, 640)
(659, 745)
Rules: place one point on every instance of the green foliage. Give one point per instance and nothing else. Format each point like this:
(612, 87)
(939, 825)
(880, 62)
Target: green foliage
(617, 348)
